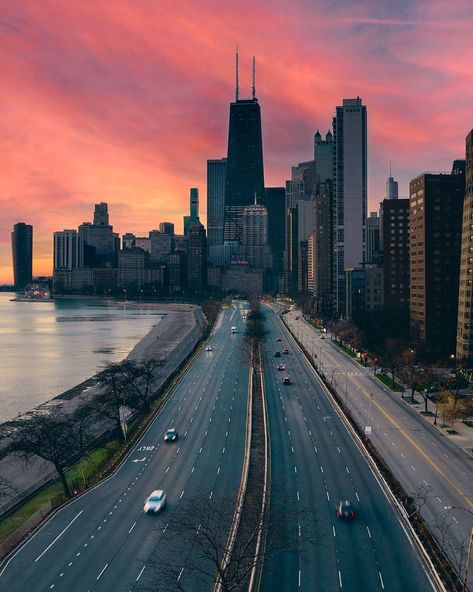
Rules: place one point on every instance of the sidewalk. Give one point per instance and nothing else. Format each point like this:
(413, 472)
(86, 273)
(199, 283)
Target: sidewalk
(462, 435)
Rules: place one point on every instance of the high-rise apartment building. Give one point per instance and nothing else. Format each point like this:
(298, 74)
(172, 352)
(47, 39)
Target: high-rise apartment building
(395, 233)
(22, 252)
(274, 202)
(68, 250)
(464, 349)
(197, 258)
(436, 208)
(245, 175)
(350, 198)
(161, 245)
(321, 259)
(216, 174)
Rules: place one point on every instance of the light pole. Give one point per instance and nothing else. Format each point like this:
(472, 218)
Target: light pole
(346, 387)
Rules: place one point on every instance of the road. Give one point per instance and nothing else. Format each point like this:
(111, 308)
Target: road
(103, 540)
(427, 464)
(315, 463)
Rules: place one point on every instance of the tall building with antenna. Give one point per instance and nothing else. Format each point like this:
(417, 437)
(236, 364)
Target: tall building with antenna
(245, 174)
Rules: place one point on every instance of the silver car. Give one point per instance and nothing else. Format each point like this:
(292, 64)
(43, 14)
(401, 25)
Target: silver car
(155, 502)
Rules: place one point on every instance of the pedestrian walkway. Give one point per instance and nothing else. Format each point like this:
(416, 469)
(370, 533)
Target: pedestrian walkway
(461, 434)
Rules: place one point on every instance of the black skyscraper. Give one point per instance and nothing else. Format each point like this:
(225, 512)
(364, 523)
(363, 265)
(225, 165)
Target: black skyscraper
(245, 175)
(22, 251)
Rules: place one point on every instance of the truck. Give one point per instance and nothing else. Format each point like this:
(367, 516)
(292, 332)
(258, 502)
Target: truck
(233, 329)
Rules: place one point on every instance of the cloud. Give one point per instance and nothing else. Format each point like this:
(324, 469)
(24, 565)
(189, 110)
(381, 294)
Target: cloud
(123, 101)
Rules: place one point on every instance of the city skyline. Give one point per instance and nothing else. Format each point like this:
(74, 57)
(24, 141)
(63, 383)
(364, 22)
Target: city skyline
(112, 116)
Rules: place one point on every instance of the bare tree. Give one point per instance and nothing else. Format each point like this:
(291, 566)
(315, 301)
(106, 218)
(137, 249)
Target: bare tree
(53, 436)
(110, 401)
(195, 553)
(139, 378)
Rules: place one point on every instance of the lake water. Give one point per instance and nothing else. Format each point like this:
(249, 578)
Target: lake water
(49, 347)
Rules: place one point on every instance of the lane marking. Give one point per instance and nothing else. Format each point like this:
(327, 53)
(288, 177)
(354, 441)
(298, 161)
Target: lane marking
(141, 572)
(134, 524)
(101, 573)
(58, 536)
(381, 580)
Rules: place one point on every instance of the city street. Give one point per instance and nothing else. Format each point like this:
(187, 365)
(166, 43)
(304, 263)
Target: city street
(103, 540)
(315, 464)
(428, 465)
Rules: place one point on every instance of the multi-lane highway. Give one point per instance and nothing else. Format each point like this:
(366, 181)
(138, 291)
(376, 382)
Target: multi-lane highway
(103, 540)
(316, 463)
(427, 464)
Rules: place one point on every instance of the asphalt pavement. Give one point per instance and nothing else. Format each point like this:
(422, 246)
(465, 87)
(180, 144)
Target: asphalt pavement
(102, 541)
(316, 463)
(430, 467)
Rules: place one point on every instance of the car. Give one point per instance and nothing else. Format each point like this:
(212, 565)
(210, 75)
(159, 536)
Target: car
(281, 367)
(345, 510)
(287, 380)
(322, 337)
(208, 348)
(277, 354)
(171, 435)
(279, 339)
(155, 502)
(285, 351)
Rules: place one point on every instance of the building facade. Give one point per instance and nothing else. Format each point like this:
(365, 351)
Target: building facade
(350, 197)
(197, 259)
(395, 233)
(216, 175)
(435, 213)
(464, 346)
(68, 250)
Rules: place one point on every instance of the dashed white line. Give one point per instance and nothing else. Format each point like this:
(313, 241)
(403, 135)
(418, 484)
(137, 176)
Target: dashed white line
(141, 572)
(381, 580)
(101, 573)
(333, 530)
(369, 533)
(133, 526)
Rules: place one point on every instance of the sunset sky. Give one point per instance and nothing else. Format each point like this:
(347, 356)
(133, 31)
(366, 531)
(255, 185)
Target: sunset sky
(124, 100)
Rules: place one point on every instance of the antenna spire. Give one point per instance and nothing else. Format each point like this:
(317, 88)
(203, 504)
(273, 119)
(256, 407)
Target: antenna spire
(237, 90)
(253, 89)
(390, 169)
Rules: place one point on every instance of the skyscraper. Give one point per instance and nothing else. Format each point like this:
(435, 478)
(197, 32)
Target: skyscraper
(436, 207)
(395, 242)
(245, 174)
(166, 227)
(255, 236)
(216, 174)
(373, 232)
(193, 218)
(68, 250)
(101, 244)
(274, 201)
(350, 199)
(391, 188)
(465, 298)
(22, 251)
(197, 258)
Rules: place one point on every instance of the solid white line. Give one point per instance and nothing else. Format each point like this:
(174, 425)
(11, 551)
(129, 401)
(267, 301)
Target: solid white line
(58, 536)
(100, 574)
(141, 572)
(134, 524)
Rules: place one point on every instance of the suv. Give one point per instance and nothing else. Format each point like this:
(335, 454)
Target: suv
(277, 354)
(287, 380)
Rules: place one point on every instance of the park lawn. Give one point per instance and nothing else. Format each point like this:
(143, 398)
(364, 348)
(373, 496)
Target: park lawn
(92, 464)
(394, 386)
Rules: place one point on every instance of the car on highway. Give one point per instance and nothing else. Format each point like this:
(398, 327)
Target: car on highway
(171, 435)
(345, 510)
(208, 348)
(285, 351)
(155, 502)
(281, 367)
(279, 339)
(287, 380)
(277, 354)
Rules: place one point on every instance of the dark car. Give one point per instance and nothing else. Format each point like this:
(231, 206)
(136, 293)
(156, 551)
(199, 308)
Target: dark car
(345, 510)
(171, 435)
(279, 339)
(287, 380)
(277, 354)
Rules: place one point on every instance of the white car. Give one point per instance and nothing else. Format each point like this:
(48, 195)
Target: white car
(208, 348)
(155, 502)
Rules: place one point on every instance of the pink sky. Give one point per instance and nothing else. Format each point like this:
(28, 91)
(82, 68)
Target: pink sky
(124, 100)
